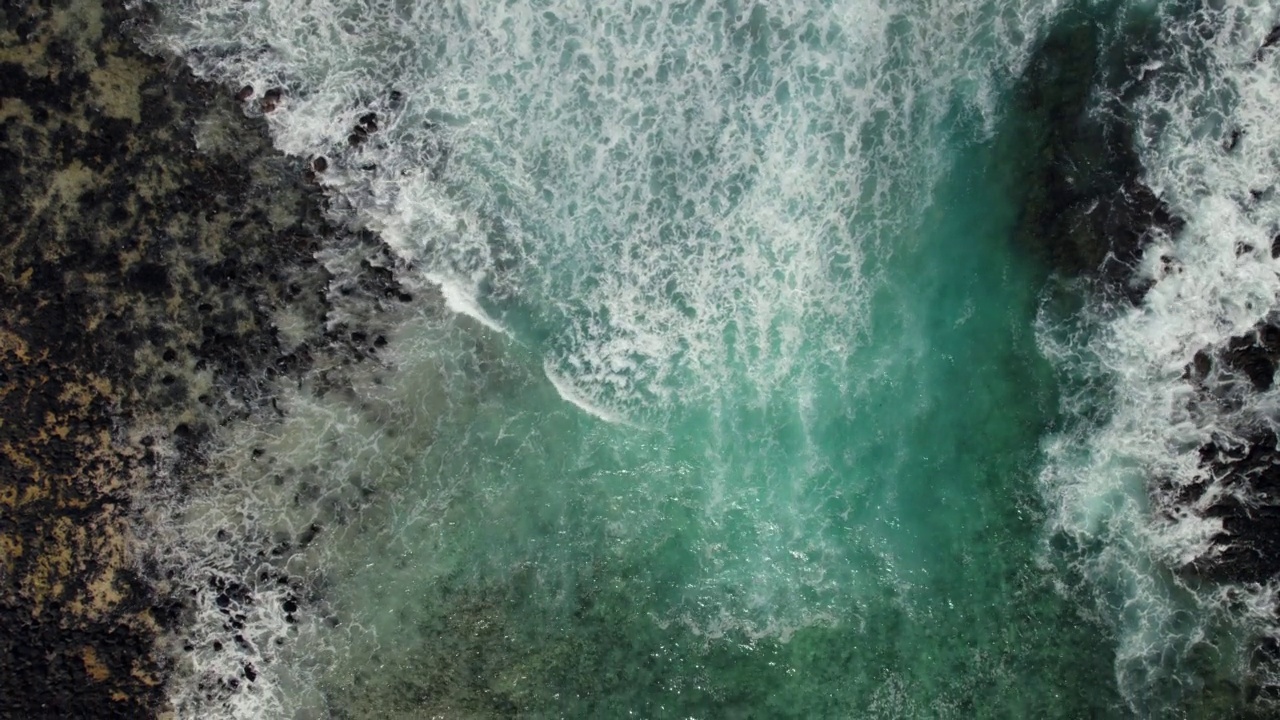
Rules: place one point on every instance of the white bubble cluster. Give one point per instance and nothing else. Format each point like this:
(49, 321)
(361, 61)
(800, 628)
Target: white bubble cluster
(1215, 280)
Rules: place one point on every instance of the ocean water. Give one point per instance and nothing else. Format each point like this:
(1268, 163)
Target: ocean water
(734, 385)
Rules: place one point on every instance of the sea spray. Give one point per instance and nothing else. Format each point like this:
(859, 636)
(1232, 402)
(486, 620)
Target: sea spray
(1118, 485)
(677, 226)
(740, 406)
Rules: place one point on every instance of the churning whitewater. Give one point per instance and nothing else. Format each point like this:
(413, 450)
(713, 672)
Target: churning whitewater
(736, 384)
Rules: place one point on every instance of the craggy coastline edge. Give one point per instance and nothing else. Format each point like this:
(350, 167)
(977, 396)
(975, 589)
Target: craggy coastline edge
(153, 241)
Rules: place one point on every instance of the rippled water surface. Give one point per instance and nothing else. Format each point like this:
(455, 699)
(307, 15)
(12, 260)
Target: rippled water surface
(734, 387)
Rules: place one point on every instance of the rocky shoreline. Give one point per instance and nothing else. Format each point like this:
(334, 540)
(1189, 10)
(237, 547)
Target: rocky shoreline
(1085, 211)
(1088, 216)
(158, 266)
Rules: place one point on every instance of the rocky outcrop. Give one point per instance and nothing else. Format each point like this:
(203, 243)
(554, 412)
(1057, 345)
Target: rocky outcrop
(1087, 215)
(149, 240)
(1244, 465)
(1239, 478)
(1239, 481)
(1085, 212)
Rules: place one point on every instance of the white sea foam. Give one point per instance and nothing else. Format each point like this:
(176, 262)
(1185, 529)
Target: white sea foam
(660, 200)
(1214, 281)
(654, 192)
(249, 544)
(462, 300)
(571, 396)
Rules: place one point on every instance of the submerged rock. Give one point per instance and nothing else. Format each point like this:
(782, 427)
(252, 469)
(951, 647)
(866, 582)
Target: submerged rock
(1252, 357)
(1268, 43)
(150, 237)
(1085, 211)
(271, 99)
(1087, 214)
(1255, 355)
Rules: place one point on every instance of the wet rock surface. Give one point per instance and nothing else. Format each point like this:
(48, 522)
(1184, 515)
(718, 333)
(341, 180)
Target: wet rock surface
(150, 241)
(1239, 481)
(1087, 215)
(1085, 211)
(1239, 478)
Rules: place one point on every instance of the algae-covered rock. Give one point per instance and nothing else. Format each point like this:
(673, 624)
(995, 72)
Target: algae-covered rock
(150, 240)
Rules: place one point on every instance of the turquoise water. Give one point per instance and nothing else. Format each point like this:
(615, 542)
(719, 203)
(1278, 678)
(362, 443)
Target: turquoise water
(866, 549)
(732, 389)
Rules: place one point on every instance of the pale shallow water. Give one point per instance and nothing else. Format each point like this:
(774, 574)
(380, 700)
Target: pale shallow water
(736, 397)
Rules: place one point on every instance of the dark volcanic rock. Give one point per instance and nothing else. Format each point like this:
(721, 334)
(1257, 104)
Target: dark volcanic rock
(1244, 467)
(1084, 209)
(1086, 213)
(1245, 363)
(1248, 470)
(149, 237)
(1270, 42)
(1255, 355)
